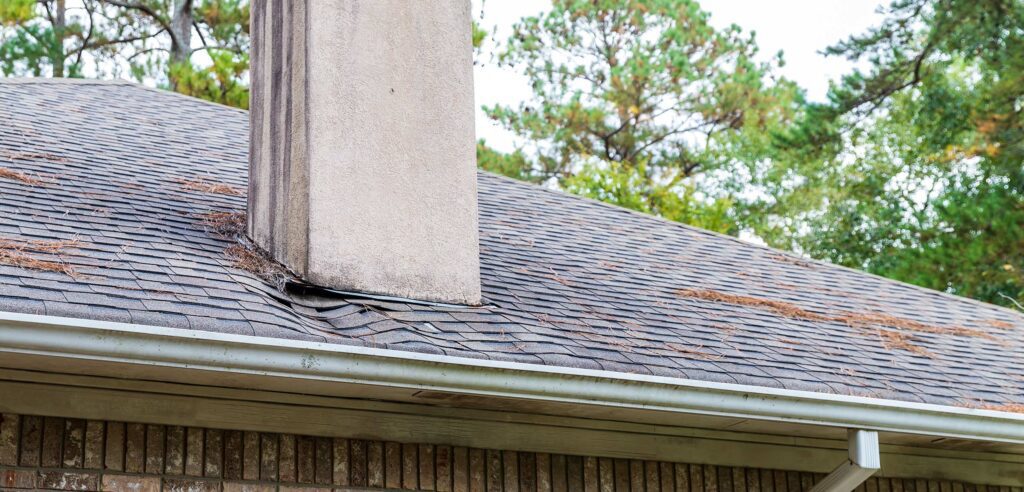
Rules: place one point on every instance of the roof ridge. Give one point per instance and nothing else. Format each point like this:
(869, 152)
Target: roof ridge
(115, 82)
(186, 96)
(65, 80)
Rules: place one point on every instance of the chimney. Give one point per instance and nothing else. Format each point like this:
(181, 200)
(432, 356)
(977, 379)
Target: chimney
(362, 152)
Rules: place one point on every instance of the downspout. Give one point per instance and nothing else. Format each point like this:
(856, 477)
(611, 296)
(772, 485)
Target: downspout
(864, 461)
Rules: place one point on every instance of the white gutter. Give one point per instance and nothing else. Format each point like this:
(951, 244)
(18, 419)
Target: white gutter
(226, 354)
(865, 460)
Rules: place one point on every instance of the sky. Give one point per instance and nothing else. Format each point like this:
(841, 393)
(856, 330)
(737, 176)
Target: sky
(800, 28)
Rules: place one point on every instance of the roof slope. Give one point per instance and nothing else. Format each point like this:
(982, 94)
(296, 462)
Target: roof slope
(129, 173)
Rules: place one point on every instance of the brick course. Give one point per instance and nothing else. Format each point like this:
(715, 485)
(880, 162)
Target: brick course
(49, 453)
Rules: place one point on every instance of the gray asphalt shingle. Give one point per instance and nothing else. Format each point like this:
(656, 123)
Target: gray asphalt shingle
(569, 282)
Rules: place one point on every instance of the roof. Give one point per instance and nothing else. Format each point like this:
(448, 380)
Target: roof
(106, 190)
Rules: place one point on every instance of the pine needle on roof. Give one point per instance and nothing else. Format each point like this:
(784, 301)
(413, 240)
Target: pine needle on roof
(791, 260)
(778, 307)
(247, 257)
(1005, 407)
(1003, 325)
(895, 340)
(227, 224)
(693, 352)
(24, 254)
(206, 186)
(20, 176)
(877, 319)
(896, 337)
(33, 156)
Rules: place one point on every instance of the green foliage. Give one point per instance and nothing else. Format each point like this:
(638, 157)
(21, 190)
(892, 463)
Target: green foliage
(628, 186)
(227, 21)
(637, 99)
(28, 43)
(13, 12)
(27, 50)
(225, 40)
(221, 82)
(514, 165)
(915, 168)
(479, 35)
(198, 47)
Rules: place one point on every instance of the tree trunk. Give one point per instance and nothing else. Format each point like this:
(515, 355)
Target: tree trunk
(181, 32)
(59, 26)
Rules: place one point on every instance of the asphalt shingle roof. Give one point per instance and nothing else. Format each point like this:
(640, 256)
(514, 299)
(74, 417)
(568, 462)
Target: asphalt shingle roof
(568, 282)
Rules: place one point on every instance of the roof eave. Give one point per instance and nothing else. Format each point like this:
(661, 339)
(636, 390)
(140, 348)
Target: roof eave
(215, 354)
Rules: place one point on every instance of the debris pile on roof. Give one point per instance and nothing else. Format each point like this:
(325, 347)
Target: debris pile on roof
(245, 256)
(20, 176)
(1009, 407)
(43, 255)
(783, 308)
(227, 224)
(898, 339)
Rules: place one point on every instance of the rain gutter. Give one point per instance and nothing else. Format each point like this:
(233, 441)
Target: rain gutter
(168, 349)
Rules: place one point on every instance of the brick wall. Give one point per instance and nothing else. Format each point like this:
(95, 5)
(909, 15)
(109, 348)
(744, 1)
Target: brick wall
(71, 454)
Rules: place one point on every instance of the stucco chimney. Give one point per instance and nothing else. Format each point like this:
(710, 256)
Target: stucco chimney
(362, 154)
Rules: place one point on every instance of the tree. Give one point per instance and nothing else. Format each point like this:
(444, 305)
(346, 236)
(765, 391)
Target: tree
(641, 103)
(199, 47)
(914, 169)
(514, 164)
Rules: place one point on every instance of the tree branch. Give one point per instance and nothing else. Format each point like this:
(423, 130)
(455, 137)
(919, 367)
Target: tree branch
(132, 39)
(142, 52)
(202, 39)
(148, 11)
(232, 49)
(1014, 301)
(88, 34)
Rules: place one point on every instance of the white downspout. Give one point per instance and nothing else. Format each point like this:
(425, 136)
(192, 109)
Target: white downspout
(864, 461)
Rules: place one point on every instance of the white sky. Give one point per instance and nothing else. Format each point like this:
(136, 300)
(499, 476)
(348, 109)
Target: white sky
(800, 28)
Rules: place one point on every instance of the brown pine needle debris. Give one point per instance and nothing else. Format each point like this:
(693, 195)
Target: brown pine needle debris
(1003, 325)
(895, 340)
(202, 185)
(557, 278)
(255, 261)
(553, 275)
(891, 339)
(693, 352)
(23, 254)
(1007, 407)
(791, 260)
(33, 156)
(783, 308)
(227, 224)
(247, 259)
(19, 176)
